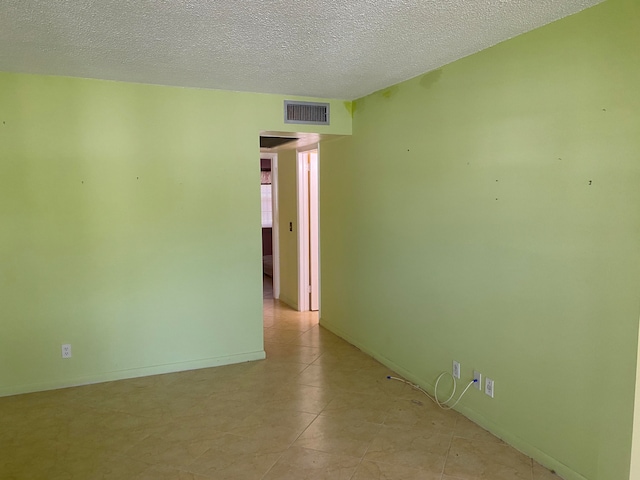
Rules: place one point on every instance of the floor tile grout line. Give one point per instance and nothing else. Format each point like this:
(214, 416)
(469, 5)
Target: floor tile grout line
(274, 464)
(532, 472)
(367, 450)
(446, 457)
(409, 467)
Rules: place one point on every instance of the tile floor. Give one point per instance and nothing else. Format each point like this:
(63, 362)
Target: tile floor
(317, 408)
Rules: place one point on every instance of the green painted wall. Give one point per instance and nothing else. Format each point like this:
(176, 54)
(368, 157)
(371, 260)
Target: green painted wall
(288, 207)
(488, 212)
(130, 227)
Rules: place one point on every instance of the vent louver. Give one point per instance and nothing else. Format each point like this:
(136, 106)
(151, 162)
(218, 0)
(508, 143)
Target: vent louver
(306, 112)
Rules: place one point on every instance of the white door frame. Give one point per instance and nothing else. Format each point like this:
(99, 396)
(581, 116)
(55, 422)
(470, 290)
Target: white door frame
(314, 232)
(304, 266)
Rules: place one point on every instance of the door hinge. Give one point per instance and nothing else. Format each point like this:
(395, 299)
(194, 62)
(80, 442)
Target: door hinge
(309, 289)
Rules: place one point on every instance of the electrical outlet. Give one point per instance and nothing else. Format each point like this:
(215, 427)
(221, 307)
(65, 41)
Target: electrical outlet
(488, 387)
(66, 351)
(456, 369)
(478, 383)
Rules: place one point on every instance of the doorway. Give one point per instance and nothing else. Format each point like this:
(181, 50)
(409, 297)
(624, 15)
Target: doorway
(308, 233)
(269, 213)
(296, 243)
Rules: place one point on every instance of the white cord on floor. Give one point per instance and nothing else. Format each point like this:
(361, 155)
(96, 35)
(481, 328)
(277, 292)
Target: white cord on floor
(442, 405)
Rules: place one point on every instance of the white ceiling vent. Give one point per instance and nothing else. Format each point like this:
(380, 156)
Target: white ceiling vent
(306, 112)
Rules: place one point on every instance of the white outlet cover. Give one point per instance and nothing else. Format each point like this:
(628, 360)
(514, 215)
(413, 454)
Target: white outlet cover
(66, 351)
(456, 369)
(477, 376)
(489, 387)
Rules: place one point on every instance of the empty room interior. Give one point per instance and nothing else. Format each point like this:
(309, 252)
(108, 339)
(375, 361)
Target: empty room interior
(479, 206)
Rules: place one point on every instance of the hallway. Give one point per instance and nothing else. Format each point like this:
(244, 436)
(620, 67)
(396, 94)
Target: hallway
(369, 427)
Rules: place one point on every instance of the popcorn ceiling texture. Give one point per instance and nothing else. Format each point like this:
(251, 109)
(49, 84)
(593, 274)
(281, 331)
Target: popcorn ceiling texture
(337, 49)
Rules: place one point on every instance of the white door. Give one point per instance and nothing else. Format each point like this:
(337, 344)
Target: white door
(308, 233)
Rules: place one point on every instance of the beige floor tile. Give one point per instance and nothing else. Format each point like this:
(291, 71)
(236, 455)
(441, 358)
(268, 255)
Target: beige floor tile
(202, 388)
(302, 398)
(233, 457)
(157, 450)
(421, 413)
(413, 447)
(318, 336)
(168, 473)
(195, 428)
(58, 462)
(300, 463)
(351, 358)
(33, 460)
(273, 375)
(24, 431)
(105, 439)
(293, 325)
(291, 353)
(359, 407)
(234, 404)
(122, 421)
(542, 473)
(108, 468)
(321, 377)
(371, 380)
(385, 471)
(340, 436)
(410, 393)
(273, 415)
(478, 460)
(275, 425)
(201, 427)
(279, 335)
(295, 321)
(277, 433)
(221, 374)
(465, 428)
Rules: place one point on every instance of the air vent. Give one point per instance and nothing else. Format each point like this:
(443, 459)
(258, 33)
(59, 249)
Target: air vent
(273, 142)
(306, 112)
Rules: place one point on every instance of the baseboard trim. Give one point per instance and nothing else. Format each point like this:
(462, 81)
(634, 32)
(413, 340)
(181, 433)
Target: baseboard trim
(516, 442)
(134, 373)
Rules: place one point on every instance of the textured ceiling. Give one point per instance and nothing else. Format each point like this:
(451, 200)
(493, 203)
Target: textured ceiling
(337, 49)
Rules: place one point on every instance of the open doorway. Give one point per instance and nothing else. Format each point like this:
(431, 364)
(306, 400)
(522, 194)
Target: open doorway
(295, 232)
(268, 207)
(308, 233)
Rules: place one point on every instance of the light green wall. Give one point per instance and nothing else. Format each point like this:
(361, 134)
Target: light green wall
(287, 205)
(130, 227)
(489, 212)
